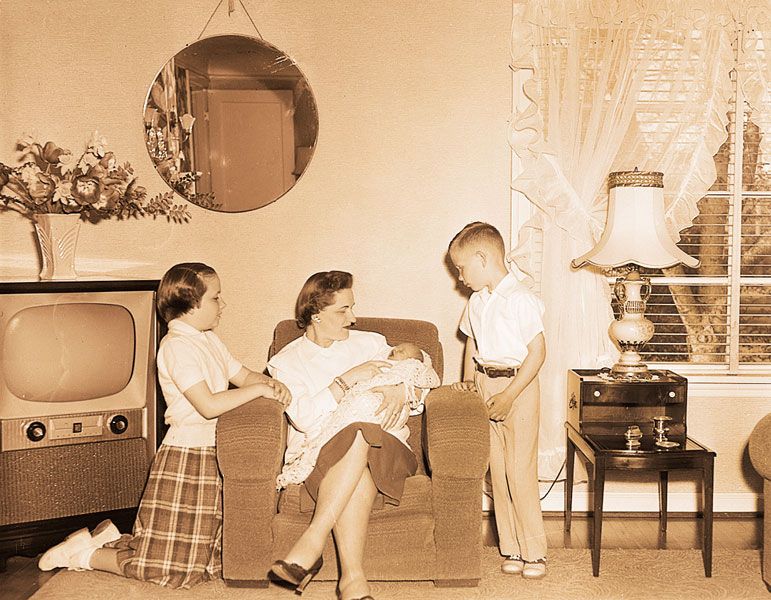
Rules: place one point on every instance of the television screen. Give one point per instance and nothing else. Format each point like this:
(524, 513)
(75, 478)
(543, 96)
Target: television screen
(75, 348)
(68, 352)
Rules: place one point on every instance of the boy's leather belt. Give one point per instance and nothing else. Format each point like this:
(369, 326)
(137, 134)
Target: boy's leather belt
(497, 371)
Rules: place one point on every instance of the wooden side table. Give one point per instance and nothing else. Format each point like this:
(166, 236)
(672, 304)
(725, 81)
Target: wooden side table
(600, 443)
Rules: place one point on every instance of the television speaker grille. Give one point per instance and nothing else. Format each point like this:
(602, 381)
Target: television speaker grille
(62, 481)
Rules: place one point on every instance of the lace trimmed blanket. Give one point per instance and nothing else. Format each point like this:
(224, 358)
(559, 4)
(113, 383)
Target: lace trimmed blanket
(359, 405)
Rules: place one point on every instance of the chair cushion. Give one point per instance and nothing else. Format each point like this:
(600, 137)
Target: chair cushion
(407, 526)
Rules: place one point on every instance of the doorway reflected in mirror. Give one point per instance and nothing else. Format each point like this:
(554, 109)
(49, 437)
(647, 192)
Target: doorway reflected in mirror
(230, 123)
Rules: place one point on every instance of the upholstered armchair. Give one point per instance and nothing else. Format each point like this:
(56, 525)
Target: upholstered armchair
(434, 534)
(760, 454)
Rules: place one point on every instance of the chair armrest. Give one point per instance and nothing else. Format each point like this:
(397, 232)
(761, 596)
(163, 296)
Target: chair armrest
(251, 440)
(458, 434)
(760, 447)
(250, 449)
(458, 442)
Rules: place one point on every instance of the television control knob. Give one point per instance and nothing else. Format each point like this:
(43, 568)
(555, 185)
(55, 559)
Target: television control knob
(118, 424)
(36, 431)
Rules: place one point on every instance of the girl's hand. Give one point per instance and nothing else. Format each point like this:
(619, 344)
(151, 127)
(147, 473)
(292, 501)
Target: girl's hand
(394, 400)
(278, 391)
(364, 371)
(464, 386)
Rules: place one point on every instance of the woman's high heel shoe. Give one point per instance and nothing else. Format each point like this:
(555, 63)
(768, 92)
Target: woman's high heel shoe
(294, 574)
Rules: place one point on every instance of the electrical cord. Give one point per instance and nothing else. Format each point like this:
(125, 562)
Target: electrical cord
(556, 478)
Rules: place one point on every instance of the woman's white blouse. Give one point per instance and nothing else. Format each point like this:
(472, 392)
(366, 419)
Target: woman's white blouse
(503, 322)
(307, 370)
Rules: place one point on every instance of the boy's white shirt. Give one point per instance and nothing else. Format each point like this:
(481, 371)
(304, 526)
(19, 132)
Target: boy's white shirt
(502, 322)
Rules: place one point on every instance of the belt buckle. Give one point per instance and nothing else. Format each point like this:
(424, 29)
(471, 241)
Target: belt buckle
(496, 371)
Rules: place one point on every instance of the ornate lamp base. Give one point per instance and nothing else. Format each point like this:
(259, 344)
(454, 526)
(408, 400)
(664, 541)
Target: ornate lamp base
(629, 369)
(631, 330)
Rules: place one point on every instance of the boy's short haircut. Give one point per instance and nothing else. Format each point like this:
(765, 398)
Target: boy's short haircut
(478, 234)
(318, 292)
(182, 288)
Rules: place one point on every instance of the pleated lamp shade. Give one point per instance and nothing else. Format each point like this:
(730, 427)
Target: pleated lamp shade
(635, 230)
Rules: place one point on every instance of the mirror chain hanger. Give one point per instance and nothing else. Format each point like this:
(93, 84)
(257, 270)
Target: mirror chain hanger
(231, 10)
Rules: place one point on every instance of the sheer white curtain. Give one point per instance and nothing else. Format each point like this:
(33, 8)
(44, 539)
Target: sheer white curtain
(755, 68)
(611, 85)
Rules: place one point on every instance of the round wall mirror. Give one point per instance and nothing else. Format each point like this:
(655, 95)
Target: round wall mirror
(230, 123)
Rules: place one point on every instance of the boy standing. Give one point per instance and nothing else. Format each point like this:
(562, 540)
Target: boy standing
(505, 349)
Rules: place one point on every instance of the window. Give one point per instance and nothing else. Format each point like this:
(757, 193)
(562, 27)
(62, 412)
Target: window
(719, 314)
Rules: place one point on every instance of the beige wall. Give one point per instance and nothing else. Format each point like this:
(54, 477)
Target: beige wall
(413, 100)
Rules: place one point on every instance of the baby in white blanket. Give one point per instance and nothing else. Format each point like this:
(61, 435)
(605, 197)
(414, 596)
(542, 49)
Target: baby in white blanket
(410, 366)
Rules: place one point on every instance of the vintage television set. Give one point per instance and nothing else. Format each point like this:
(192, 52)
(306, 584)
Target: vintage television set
(79, 422)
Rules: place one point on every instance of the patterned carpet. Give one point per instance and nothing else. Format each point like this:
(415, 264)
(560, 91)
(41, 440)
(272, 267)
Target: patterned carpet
(624, 574)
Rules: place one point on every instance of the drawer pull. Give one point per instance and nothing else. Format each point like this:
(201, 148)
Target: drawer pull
(596, 393)
(672, 394)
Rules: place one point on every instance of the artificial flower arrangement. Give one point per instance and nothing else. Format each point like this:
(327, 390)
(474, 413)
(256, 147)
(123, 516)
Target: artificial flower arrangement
(50, 179)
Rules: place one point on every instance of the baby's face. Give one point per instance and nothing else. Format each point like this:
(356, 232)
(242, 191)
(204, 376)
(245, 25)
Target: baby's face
(404, 351)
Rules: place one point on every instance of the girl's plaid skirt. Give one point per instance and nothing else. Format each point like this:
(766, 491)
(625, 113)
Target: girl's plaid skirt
(177, 534)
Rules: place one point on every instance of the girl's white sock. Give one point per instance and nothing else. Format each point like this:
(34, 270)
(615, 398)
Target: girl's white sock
(81, 560)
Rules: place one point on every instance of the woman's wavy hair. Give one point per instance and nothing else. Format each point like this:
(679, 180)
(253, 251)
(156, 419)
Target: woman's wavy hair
(318, 292)
(182, 288)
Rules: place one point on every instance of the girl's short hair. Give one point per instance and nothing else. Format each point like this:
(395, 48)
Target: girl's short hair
(318, 292)
(478, 234)
(182, 288)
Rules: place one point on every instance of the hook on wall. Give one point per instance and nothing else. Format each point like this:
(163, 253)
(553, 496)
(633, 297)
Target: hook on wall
(231, 10)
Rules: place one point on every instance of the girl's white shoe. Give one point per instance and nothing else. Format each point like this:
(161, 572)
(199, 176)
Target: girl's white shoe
(104, 533)
(60, 555)
(76, 549)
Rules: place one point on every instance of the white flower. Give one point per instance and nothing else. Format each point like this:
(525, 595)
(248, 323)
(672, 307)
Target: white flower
(66, 162)
(89, 159)
(29, 173)
(97, 144)
(63, 193)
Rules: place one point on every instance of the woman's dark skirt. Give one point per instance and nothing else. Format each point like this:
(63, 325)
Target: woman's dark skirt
(390, 461)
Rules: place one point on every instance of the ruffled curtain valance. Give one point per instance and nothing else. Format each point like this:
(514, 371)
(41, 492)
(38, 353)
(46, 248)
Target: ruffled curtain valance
(613, 85)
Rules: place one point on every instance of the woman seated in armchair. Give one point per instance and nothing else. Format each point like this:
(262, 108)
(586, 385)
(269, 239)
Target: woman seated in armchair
(363, 463)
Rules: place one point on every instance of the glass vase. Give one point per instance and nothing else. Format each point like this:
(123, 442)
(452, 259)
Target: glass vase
(57, 236)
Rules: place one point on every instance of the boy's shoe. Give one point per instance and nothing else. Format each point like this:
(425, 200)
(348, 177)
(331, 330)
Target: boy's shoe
(104, 533)
(513, 565)
(535, 569)
(60, 555)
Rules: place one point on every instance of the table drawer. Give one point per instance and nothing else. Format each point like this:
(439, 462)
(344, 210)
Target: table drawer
(599, 403)
(625, 394)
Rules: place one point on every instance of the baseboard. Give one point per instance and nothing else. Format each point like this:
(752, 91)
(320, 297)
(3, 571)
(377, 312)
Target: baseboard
(649, 503)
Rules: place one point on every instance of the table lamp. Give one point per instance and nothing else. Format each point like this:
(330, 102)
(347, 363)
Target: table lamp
(635, 236)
